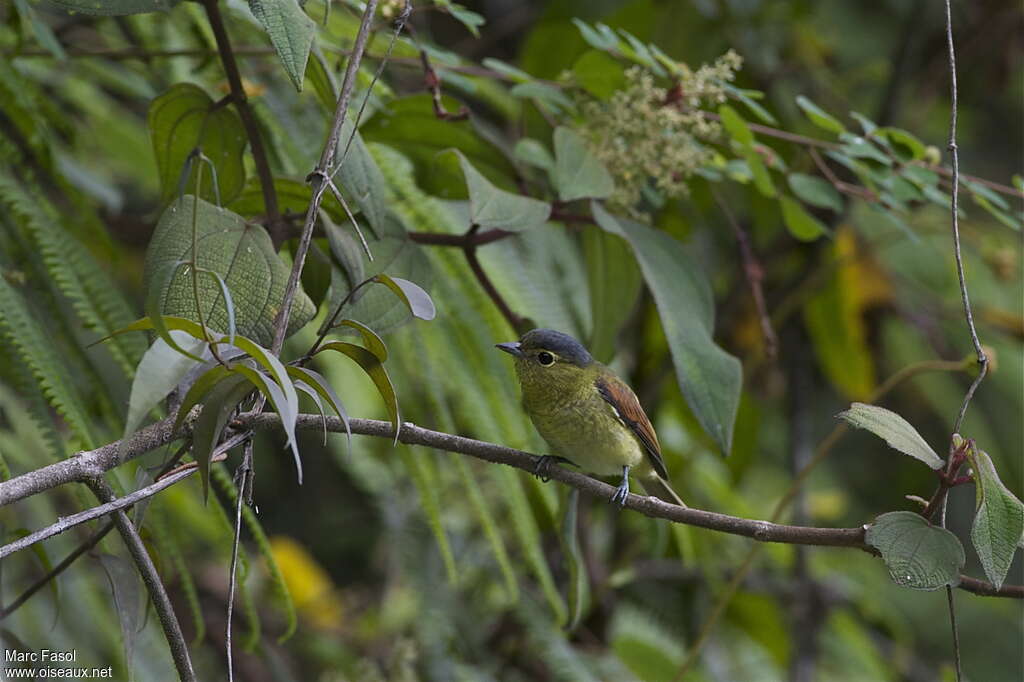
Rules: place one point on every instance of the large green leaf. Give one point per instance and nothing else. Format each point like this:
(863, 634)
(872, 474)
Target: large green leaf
(160, 370)
(290, 30)
(709, 378)
(917, 554)
(998, 520)
(184, 118)
(613, 282)
(894, 429)
(578, 173)
(110, 7)
(241, 253)
(495, 208)
(410, 124)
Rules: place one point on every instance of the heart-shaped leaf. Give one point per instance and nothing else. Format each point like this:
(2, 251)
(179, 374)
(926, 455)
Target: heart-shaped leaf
(496, 208)
(918, 555)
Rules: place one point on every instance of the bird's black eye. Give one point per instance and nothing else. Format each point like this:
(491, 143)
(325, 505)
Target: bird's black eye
(545, 358)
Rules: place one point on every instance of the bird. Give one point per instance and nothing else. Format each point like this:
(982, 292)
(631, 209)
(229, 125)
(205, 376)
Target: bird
(588, 416)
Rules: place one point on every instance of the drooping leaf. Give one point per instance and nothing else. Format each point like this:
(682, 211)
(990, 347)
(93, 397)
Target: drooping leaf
(377, 373)
(578, 173)
(319, 384)
(371, 339)
(495, 208)
(160, 370)
(904, 144)
(111, 7)
(285, 401)
(412, 295)
(613, 281)
(893, 429)
(184, 118)
(410, 124)
(815, 191)
(127, 590)
(198, 390)
(314, 395)
(801, 224)
(569, 541)
(241, 253)
(709, 378)
(291, 32)
(819, 117)
(218, 405)
(998, 519)
(918, 555)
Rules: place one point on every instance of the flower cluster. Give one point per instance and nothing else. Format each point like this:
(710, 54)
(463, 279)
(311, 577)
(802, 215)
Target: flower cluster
(646, 133)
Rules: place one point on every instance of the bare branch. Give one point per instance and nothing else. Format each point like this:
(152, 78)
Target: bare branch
(157, 593)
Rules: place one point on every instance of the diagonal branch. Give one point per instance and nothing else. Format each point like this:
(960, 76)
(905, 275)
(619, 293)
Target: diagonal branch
(157, 593)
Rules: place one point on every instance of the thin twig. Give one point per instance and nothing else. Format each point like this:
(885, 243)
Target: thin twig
(244, 477)
(157, 593)
(514, 320)
(433, 83)
(252, 130)
(459, 240)
(320, 174)
(755, 276)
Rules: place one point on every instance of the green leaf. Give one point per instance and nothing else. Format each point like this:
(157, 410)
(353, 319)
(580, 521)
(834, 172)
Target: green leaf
(818, 116)
(241, 253)
(547, 96)
(736, 126)
(371, 339)
(316, 275)
(709, 378)
(320, 384)
(43, 32)
(613, 282)
(320, 75)
(918, 555)
(815, 191)
(471, 20)
(427, 487)
(799, 222)
(534, 153)
(495, 208)
(198, 390)
(904, 144)
(599, 73)
(183, 118)
(285, 401)
(110, 8)
(578, 173)
(291, 31)
(998, 519)
(415, 298)
(377, 373)
(359, 175)
(218, 406)
(410, 124)
(572, 554)
(748, 98)
(893, 429)
(759, 172)
(160, 370)
(481, 507)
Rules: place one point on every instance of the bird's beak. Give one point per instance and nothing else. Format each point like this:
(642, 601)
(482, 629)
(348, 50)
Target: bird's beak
(510, 348)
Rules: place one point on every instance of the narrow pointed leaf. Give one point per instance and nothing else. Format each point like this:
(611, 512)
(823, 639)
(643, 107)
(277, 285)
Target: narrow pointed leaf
(321, 386)
(283, 405)
(573, 555)
(375, 370)
(371, 339)
(315, 397)
(894, 429)
(159, 371)
(819, 117)
(218, 405)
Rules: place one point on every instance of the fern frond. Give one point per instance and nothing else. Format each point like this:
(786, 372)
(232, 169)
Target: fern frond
(33, 346)
(94, 296)
(169, 548)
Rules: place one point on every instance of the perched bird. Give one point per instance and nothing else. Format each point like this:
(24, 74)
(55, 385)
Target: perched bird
(587, 414)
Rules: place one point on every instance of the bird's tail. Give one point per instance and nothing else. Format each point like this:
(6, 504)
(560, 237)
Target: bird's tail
(659, 487)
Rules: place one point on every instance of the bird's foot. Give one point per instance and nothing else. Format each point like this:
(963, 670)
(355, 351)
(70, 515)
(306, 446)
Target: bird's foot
(541, 469)
(622, 492)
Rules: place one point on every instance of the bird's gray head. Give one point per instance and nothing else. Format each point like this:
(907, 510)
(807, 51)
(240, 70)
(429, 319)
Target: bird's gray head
(563, 345)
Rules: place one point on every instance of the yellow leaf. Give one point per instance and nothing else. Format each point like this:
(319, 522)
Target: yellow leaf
(309, 584)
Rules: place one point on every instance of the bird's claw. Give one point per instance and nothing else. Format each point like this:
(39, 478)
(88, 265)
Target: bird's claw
(620, 495)
(543, 465)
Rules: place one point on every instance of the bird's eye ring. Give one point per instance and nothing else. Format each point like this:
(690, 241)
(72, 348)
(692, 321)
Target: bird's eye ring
(545, 358)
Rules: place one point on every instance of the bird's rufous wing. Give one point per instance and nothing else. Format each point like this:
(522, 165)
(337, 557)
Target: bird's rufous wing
(627, 408)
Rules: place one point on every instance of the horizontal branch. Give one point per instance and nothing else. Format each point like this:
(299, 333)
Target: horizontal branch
(93, 462)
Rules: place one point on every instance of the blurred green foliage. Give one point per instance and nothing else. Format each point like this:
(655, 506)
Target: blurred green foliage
(402, 564)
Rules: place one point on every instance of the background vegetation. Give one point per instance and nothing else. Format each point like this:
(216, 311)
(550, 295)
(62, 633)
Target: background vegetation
(770, 243)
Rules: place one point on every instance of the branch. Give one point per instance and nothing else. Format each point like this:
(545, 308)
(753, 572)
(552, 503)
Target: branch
(252, 129)
(103, 459)
(157, 593)
(319, 177)
(515, 321)
(459, 240)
